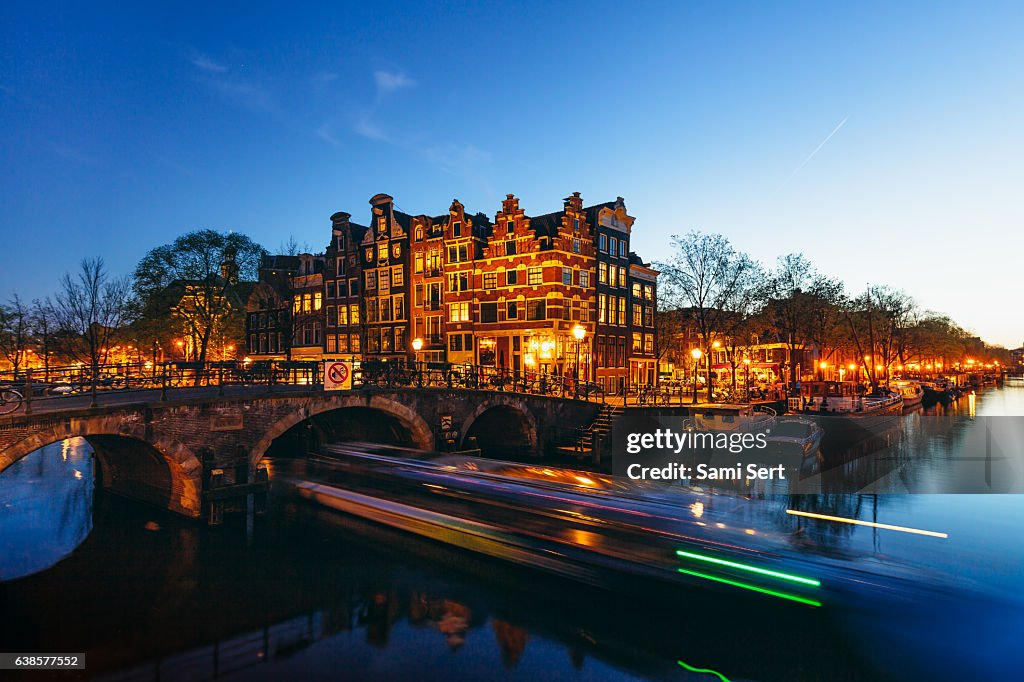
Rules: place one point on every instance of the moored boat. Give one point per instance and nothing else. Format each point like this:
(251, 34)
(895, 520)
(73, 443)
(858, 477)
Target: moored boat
(795, 435)
(844, 398)
(723, 417)
(911, 392)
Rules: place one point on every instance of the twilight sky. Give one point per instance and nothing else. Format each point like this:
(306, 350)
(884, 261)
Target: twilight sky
(884, 140)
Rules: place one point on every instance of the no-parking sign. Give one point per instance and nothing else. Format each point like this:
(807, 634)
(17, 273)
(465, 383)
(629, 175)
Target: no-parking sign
(337, 376)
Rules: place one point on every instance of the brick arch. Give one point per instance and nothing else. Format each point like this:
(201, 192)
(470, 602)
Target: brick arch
(517, 405)
(419, 431)
(185, 469)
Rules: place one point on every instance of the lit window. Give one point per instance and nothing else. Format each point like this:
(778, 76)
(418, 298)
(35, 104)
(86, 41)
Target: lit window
(584, 278)
(535, 276)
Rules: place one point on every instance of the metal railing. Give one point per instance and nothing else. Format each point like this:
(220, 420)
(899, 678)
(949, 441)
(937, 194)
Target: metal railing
(60, 384)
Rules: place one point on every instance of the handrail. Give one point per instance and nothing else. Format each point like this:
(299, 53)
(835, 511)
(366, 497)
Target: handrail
(157, 383)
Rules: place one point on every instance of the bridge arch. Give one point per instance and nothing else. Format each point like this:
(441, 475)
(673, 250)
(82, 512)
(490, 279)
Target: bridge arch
(132, 456)
(419, 432)
(502, 419)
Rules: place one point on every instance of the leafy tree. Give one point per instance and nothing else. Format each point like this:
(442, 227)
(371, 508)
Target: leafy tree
(197, 276)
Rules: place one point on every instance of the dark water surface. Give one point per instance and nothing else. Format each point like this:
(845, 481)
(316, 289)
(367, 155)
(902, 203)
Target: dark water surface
(148, 596)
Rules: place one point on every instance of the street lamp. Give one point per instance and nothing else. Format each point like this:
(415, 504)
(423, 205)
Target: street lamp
(579, 332)
(823, 365)
(695, 354)
(417, 345)
(746, 377)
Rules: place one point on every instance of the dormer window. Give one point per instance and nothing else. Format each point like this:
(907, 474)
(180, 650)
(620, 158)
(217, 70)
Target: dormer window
(457, 228)
(419, 233)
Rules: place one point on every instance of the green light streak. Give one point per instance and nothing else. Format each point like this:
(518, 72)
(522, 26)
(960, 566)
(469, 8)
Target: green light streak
(753, 569)
(754, 588)
(705, 671)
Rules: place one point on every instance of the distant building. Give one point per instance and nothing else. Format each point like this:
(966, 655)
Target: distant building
(1017, 359)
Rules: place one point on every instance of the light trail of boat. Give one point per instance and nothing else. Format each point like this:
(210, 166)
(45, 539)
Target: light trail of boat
(858, 522)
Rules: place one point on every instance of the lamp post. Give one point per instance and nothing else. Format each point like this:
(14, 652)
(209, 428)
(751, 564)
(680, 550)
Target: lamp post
(711, 356)
(746, 377)
(417, 345)
(823, 365)
(579, 332)
(695, 354)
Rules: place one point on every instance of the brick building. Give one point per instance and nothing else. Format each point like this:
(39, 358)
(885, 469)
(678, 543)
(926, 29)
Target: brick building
(343, 280)
(513, 293)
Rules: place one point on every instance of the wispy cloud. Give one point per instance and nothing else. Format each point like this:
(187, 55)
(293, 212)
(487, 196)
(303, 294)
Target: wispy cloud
(365, 127)
(818, 148)
(201, 61)
(244, 94)
(73, 154)
(455, 157)
(389, 81)
(326, 133)
(323, 77)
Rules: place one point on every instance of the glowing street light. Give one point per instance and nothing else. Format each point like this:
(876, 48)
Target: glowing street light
(579, 332)
(417, 345)
(695, 354)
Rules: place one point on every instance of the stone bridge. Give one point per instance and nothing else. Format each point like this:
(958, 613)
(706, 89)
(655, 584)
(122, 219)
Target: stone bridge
(181, 453)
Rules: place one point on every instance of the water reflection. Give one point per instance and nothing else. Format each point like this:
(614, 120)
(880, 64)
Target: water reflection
(321, 597)
(46, 504)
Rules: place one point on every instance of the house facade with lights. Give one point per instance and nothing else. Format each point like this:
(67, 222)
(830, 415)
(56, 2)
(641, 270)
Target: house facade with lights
(558, 293)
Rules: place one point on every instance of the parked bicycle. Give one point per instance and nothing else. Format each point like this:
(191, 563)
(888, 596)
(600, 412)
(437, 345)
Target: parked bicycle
(10, 400)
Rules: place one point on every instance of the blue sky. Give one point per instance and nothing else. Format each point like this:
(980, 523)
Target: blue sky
(123, 127)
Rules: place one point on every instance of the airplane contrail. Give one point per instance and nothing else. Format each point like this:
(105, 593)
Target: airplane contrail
(818, 148)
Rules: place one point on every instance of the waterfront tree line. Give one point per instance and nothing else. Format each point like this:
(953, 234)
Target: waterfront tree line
(715, 297)
(186, 300)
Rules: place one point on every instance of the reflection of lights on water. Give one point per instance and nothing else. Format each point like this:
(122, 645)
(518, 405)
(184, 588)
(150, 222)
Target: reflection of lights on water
(971, 400)
(858, 522)
(750, 531)
(752, 588)
(720, 525)
(585, 481)
(752, 569)
(698, 509)
(78, 474)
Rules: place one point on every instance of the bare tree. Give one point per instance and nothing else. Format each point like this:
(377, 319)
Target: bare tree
(802, 306)
(43, 327)
(15, 332)
(712, 281)
(88, 311)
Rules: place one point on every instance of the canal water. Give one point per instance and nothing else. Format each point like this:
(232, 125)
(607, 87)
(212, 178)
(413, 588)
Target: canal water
(148, 596)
